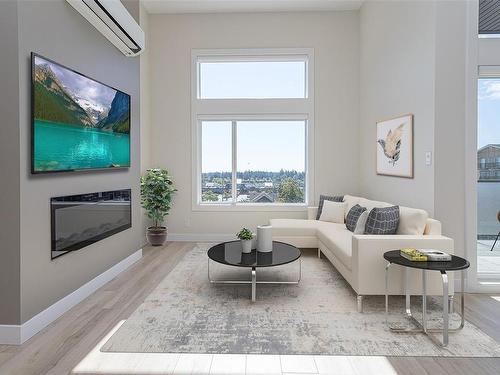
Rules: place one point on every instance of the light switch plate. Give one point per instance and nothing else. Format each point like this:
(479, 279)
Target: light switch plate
(428, 158)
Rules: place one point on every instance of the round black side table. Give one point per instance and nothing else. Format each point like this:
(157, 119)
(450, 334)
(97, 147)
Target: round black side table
(456, 264)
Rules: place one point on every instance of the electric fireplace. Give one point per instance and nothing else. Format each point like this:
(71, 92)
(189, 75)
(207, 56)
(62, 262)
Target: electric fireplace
(81, 220)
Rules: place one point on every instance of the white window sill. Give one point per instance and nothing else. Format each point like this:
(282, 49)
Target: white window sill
(242, 207)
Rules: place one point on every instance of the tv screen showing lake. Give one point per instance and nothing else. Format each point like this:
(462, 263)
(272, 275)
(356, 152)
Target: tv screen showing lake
(78, 123)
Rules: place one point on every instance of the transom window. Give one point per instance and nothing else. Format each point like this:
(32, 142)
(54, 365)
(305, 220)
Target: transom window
(241, 79)
(252, 128)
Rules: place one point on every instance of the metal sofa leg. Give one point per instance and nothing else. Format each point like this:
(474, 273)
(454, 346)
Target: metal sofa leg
(360, 303)
(319, 253)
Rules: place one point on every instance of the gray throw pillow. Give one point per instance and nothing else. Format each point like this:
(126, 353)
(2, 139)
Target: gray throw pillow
(323, 198)
(383, 220)
(352, 217)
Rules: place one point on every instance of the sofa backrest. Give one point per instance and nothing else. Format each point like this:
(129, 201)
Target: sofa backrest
(412, 221)
(363, 202)
(432, 227)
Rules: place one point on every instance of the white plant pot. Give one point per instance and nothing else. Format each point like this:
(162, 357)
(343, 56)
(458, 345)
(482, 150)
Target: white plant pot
(246, 246)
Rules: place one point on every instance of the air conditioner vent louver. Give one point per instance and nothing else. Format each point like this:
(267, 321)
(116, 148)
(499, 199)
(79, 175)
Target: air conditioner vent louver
(113, 20)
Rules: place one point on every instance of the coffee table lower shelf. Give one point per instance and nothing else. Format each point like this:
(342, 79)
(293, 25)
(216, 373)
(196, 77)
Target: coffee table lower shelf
(254, 281)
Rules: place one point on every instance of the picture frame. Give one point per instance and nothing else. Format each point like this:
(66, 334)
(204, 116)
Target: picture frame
(394, 142)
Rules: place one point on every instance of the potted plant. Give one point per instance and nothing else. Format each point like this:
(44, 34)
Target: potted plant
(245, 235)
(156, 198)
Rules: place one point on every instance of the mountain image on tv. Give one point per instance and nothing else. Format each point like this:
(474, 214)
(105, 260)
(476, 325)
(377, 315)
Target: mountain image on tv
(78, 123)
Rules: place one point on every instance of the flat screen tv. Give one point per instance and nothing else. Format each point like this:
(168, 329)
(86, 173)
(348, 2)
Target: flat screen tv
(78, 123)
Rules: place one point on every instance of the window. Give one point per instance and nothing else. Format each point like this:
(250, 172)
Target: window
(488, 185)
(253, 122)
(252, 79)
(261, 177)
(216, 181)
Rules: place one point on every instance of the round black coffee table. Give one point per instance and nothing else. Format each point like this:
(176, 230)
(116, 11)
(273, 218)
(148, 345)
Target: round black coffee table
(230, 254)
(455, 264)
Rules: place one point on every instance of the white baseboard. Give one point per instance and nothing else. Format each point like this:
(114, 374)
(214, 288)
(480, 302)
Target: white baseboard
(10, 334)
(201, 237)
(18, 334)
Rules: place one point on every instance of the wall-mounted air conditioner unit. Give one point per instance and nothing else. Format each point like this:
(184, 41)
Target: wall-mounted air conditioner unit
(113, 20)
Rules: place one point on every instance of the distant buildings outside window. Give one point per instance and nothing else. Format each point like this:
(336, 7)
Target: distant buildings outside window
(488, 165)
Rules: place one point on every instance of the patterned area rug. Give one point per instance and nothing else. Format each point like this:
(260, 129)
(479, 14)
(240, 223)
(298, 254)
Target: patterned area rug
(187, 314)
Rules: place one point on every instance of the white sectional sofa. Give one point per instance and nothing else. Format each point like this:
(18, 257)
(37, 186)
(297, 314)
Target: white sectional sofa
(359, 258)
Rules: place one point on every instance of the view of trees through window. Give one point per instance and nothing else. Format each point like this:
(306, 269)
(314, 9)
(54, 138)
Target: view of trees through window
(269, 159)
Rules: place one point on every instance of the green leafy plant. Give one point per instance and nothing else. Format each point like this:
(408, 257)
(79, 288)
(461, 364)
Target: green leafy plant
(289, 191)
(245, 234)
(157, 191)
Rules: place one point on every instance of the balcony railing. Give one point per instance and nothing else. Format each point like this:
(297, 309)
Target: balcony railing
(485, 166)
(485, 178)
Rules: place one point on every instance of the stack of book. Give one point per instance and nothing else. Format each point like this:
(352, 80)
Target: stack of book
(425, 255)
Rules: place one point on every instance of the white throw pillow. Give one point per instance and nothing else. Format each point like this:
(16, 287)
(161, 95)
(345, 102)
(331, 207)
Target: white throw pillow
(351, 201)
(333, 212)
(361, 223)
(412, 221)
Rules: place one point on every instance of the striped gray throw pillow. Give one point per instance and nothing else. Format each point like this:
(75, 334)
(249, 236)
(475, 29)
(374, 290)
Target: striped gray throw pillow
(353, 216)
(383, 220)
(323, 198)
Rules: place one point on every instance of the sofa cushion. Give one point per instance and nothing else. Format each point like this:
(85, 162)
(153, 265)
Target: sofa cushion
(294, 227)
(351, 201)
(369, 204)
(352, 217)
(339, 240)
(326, 226)
(333, 212)
(382, 220)
(412, 221)
(361, 224)
(432, 227)
(323, 198)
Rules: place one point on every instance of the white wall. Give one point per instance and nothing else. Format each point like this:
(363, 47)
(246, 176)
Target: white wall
(145, 97)
(450, 104)
(334, 37)
(397, 77)
(413, 58)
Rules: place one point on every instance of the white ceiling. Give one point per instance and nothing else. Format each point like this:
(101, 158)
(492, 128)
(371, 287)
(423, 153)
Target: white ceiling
(225, 6)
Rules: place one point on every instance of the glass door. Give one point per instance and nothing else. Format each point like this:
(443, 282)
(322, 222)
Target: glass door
(488, 179)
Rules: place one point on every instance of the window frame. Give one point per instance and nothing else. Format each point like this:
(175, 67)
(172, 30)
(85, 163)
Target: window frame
(251, 110)
(251, 58)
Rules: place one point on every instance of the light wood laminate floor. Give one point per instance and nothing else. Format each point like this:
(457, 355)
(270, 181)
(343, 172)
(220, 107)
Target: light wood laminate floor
(74, 339)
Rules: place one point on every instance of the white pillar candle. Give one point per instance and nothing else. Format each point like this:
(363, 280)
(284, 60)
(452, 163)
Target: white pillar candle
(265, 238)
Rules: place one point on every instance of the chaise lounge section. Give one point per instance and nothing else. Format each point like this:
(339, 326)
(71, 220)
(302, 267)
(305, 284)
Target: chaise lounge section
(359, 257)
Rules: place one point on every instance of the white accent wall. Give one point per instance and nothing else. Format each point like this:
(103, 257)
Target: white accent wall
(450, 120)
(334, 36)
(413, 60)
(397, 77)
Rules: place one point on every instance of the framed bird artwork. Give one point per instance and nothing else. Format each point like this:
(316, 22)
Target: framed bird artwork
(395, 147)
